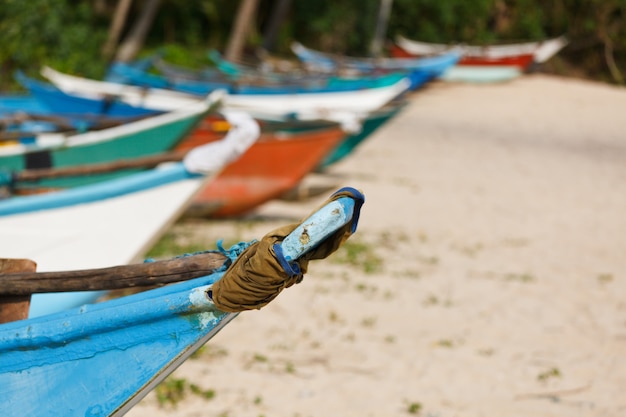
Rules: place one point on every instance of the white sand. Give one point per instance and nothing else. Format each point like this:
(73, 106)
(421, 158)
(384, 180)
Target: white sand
(499, 214)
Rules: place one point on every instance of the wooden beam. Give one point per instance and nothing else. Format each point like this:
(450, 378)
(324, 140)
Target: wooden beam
(112, 278)
(15, 307)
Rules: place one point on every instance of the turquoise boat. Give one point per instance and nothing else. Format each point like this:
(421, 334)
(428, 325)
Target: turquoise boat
(102, 359)
(481, 74)
(260, 83)
(434, 66)
(370, 124)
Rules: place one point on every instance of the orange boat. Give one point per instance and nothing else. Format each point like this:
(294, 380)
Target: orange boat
(272, 166)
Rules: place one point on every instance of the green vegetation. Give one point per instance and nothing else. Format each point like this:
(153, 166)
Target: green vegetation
(414, 408)
(170, 245)
(358, 254)
(549, 374)
(447, 343)
(605, 278)
(521, 277)
(173, 390)
(70, 34)
(209, 352)
(64, 34)
(260, 358)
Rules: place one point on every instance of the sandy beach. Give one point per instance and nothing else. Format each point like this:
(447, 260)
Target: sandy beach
(489, 277)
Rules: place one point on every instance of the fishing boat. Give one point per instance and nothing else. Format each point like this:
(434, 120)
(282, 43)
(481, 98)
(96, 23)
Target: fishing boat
(483, 64)
(322, 61)
(84, 93)
(113, 221)
(22, 126)
(336, 106)
(14, 102)
(261, 83)
(481, 74)
(143, 137)
(371, 123)
(276, 163)
(102, 359)
(417, 76)
(60, 102)
(521, 61)
(541, 51)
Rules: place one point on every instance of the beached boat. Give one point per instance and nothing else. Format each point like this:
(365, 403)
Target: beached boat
(483, 64)
(369, 125)
(434, 66)
(61, 102)
(21, 126)
(114, 221)
(520, 61)
(481, 74)
(102, 359)
(105, 91)
(541, 51)
(144, 137)
(335, 106)
(261, 83)
(13, 102)
(418, 77)
(276, 163)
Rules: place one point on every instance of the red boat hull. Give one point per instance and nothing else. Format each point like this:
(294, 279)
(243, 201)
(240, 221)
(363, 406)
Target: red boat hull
(522, 61)
(275, 164)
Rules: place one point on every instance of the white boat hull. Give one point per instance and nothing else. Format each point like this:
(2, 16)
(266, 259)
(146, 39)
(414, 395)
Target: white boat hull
(114, 231)
(306, 105)
(542, 50)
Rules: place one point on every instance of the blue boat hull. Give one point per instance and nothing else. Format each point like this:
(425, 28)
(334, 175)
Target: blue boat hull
(102, 370)
(101, 359)
(65, 104)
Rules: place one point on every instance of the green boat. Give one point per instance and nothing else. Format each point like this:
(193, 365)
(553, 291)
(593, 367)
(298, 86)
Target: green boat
(149, 136)
(370, 124)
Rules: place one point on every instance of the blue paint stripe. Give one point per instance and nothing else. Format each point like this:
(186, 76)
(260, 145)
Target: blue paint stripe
(94, 192)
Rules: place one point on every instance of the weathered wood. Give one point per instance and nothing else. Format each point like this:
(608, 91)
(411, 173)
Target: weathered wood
(144, 162)
(15, 307)
(117, 277)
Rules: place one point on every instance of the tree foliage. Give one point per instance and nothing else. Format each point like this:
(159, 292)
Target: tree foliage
(62, 33)
(69, 34)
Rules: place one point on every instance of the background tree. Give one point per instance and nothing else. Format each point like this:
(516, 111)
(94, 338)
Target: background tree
(134, 41)
(78, 36)
(117, 25)
(243, 25)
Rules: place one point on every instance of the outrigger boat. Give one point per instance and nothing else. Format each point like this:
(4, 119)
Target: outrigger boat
(138, 138)
(102, 359)
(329, 105)
(109, 222)
(316, 60)
(540, 51)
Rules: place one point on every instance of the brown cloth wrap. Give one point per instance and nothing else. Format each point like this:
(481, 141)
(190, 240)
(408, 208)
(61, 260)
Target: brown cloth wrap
(256, 277)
